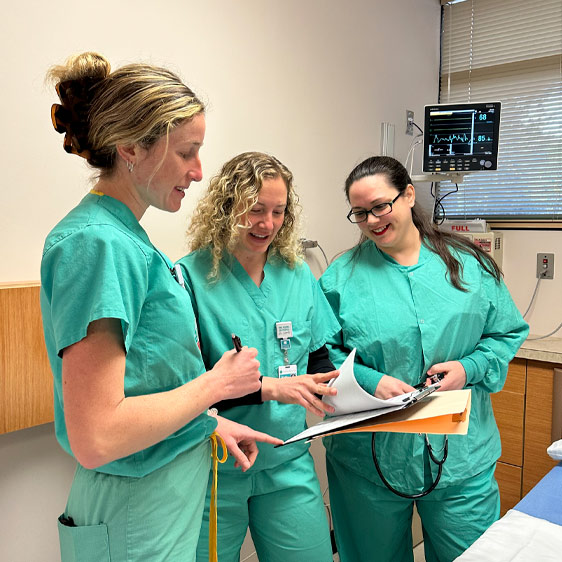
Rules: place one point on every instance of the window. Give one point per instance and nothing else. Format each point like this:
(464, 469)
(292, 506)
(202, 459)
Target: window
(508, 51)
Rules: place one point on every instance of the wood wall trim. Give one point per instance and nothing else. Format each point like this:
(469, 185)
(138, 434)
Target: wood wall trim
(26, 384)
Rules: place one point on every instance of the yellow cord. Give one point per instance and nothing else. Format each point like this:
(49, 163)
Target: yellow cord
(96, 192)
(215, 437)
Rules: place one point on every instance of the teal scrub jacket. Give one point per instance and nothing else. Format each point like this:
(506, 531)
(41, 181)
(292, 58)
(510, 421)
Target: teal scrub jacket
(235, 304)
(403, 320)
(98, 262)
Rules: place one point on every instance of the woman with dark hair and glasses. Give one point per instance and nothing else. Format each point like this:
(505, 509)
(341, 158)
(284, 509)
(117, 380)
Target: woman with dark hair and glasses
(415, 302)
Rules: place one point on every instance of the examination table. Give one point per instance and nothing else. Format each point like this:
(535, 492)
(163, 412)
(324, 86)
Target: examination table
(530, 532)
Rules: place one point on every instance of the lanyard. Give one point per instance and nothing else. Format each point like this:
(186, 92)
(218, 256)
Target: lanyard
(174, 270)
(215, 438)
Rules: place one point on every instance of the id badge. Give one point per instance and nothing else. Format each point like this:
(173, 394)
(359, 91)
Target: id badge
(178, 275)
(287, 371)
(284, 330)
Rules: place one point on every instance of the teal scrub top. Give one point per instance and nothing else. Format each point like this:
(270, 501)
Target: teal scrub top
(235, 304)
(98, 262)
(403, 320)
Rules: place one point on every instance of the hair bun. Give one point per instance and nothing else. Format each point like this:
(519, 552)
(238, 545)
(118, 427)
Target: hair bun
(75, 83)
(71, 116)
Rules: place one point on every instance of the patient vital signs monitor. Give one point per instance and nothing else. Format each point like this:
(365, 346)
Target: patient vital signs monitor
(461, 137)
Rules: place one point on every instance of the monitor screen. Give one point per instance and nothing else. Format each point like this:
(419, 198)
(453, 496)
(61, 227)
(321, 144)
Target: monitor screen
(461, 137)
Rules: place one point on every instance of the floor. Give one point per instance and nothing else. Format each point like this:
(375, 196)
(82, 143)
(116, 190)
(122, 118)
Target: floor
(418, 554)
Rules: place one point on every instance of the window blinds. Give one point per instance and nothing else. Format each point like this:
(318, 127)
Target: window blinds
(511, 51)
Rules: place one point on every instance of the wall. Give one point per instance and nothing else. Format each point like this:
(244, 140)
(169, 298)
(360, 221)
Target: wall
(520, 265)
(35, 477)
(310, 82)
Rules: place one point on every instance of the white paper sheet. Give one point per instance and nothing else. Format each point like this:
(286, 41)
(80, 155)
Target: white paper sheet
(351, 398)
(338, 422)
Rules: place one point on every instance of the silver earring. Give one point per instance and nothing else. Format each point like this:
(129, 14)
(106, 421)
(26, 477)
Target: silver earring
(130, 166)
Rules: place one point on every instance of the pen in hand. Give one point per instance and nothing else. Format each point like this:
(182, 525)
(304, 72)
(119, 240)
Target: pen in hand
(237, 343)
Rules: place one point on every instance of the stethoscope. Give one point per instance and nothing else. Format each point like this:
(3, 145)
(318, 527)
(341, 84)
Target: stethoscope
(438, 462)
(435, 378)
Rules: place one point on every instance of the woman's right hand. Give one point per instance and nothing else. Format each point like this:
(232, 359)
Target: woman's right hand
(389, 387)
(238, 373)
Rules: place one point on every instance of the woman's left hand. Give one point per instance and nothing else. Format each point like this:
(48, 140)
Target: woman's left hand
(240, 440)
(454, 375)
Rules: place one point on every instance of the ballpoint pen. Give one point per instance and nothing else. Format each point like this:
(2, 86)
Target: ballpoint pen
(237, 343)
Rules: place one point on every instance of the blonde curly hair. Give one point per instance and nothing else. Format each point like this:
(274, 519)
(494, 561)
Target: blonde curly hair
(232, 193)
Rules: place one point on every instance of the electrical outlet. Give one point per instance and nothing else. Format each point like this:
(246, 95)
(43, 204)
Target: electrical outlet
(409, 122)
(545, 266)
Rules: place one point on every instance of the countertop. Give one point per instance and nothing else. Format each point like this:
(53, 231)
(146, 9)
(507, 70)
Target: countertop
(549, 350)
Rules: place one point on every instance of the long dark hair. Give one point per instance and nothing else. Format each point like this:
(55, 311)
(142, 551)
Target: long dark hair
(433, 239)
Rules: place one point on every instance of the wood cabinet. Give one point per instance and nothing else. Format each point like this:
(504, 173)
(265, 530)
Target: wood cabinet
(26, 382)
(523, 411)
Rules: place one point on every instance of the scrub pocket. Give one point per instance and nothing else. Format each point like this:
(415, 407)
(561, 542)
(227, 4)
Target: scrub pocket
(89, 543)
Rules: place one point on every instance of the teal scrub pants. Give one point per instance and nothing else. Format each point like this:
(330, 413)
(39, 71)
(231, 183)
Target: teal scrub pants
(374, 525)
(282, 506)
(125, 519)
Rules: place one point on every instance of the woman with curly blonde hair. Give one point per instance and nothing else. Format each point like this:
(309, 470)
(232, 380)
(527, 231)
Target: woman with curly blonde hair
(217, 221)
(246, 276)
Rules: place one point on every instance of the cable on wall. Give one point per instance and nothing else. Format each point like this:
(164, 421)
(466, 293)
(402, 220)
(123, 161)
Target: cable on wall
(415, 141)
(529, 308)
(306, 243)
(547, 335)
(533, 297)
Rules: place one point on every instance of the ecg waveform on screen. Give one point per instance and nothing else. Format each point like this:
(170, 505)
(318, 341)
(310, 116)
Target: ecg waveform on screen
(451, 138)
(461, 136)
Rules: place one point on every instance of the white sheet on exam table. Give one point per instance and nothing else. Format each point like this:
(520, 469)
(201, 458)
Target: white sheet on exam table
(517, 537)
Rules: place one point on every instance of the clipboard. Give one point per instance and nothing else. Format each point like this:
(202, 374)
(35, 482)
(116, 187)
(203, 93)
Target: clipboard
(421, 411)
(439, 413)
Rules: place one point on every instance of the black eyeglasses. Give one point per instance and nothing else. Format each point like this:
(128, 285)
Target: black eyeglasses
(377, 211)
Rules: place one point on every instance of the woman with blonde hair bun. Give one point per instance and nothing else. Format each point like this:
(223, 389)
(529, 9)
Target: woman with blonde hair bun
(131, 391)
(246, 276)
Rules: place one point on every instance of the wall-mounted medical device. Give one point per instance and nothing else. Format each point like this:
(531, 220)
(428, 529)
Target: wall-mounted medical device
(491, 242)
(476, 230)
(461, 137)
(463, 226)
